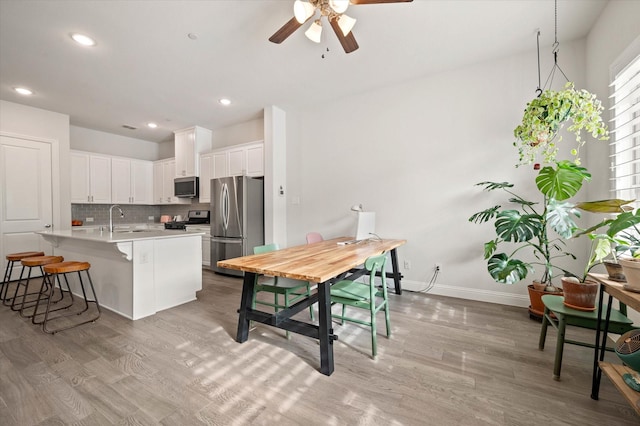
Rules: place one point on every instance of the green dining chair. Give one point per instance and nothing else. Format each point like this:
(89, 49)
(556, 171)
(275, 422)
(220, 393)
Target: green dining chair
(291, 290)
(365, 296)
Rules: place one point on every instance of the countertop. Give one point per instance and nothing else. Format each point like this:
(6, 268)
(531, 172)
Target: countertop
(119, 235)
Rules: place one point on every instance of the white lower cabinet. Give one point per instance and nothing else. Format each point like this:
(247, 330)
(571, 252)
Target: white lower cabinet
(206, 242)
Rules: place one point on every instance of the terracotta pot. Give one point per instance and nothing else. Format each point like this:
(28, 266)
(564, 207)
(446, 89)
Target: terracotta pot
(536, 309)
(580, 295)
(615, 271)
(631, 268)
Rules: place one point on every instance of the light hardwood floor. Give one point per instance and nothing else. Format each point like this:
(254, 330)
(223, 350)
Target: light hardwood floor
(448, 362)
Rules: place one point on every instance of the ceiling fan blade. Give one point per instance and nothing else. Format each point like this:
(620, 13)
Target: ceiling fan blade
(348, 42)
(285, 31)
(379, 1)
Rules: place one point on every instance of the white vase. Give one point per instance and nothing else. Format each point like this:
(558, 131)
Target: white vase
(631, 269)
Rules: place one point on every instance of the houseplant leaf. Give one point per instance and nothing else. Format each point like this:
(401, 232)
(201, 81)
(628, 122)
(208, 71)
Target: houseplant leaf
(507, 271)
(559, 217)
(513, 226)
(623, 221)
(615, 205)
(563, 182)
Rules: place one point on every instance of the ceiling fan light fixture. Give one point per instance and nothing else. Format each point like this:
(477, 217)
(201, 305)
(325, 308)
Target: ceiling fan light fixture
(339, 6)
(346, 24)
(303, 10)
(315, 31)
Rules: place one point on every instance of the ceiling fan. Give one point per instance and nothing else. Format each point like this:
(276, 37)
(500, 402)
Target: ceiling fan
(333, 10)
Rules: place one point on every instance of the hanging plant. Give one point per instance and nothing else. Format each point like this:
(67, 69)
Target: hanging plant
(546, 115)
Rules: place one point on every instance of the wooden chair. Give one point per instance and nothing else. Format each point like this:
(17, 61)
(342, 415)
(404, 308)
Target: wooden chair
(559, 316)
(12, 259)
(365, 296)
(314, 237)
(291, 290)
(52, 272)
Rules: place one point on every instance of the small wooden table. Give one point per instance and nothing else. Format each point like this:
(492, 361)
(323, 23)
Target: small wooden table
(323, 263)
(613, 371)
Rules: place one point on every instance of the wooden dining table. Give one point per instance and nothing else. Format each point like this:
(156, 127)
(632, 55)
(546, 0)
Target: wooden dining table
(323, 263)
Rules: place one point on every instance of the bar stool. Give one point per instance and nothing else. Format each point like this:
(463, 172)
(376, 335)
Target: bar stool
(33, 262)
(52, 271)
(11, 260)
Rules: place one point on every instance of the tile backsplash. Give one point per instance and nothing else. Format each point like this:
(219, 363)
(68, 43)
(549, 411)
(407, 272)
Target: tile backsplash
(132, 213)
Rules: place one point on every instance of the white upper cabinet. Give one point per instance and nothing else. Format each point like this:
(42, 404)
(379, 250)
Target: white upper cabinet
(239, 160)
(255, 159)
(90, 178)
(131, 181)
(220, 164)
(206, 174)
(163, 186)
(189, 143)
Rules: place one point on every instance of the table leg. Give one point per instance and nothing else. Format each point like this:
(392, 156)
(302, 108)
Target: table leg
(325, 330)
(245, 304)
(396, 271)
(595, 377)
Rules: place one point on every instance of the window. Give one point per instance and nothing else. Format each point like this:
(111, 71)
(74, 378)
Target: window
(625, 132)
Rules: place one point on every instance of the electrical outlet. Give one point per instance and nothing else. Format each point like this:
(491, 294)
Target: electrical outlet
(150, 218)
(89, 219)
(407, 264)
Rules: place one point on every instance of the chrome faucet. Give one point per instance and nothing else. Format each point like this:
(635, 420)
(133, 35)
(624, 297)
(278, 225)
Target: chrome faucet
(111, 216)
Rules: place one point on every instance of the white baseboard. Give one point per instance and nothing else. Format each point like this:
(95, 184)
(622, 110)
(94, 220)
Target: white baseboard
(502, 298)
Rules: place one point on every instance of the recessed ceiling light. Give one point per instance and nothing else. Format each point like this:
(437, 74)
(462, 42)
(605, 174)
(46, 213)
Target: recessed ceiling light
(152, 125)
(225, 101)
(23, 91)
(83, 39)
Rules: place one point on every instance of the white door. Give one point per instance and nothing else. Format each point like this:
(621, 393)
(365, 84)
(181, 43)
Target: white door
(25, 196)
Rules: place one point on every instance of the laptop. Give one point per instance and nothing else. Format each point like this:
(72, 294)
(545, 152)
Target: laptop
(366, 228)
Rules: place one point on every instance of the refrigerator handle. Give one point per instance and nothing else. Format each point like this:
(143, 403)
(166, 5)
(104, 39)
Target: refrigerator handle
(224, 206)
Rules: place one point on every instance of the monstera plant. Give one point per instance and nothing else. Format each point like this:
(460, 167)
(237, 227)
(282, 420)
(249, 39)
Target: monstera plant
(546, 115)
(541, 227)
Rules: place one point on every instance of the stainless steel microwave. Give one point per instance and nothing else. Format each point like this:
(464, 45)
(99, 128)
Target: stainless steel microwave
(186, 187)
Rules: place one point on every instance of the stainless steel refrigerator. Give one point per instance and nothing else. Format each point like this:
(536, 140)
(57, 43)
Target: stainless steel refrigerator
(237, 219)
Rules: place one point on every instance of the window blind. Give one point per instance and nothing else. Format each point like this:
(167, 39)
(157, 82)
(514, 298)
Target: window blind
(625, 132)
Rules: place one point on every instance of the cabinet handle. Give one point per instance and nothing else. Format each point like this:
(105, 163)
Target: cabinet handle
(88, 198)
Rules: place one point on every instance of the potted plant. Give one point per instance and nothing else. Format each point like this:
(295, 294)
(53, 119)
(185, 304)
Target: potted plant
(621, 238)
(546, 115)
(538, 227)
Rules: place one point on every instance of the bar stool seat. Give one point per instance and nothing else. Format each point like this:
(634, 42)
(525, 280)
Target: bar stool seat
(52, 271)
(12, 258)
(34, 262)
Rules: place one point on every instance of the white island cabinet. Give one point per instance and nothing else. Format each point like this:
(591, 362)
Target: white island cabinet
(136, 273)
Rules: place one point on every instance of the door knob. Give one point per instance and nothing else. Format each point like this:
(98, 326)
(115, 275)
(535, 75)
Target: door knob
(46, 225)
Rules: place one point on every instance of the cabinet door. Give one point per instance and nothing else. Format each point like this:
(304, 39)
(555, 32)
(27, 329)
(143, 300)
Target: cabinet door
(206, 173)
(169, 173)
(185, 149)
(158, 183)
(220, 165)
(100, 179)
(237, 162)
(255, 160)
(120, 181)
(80, 178)
(141, 182)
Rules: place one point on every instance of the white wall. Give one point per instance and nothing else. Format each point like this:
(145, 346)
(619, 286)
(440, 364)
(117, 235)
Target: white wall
(248, 131)
(22, 120)
(412, 153)
(83, 139)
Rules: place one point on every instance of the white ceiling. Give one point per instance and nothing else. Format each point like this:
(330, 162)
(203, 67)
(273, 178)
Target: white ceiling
(145, 68)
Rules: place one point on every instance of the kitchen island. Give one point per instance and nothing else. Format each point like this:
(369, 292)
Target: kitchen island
(136, 272)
